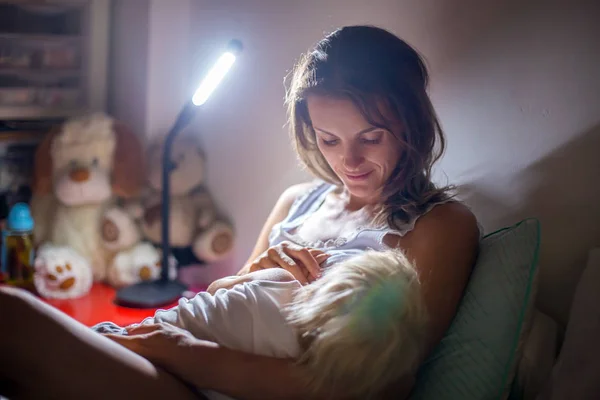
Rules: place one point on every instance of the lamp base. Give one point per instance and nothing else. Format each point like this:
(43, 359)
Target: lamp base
(150, 294)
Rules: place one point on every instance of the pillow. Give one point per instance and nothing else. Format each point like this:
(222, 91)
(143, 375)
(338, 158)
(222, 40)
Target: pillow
(477, 358)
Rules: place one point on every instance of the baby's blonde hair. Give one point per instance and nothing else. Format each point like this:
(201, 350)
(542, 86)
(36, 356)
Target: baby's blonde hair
(361, 326)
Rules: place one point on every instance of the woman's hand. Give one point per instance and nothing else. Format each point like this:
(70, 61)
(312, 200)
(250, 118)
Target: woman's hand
(171, 348)
(302, 262)
(158, 343)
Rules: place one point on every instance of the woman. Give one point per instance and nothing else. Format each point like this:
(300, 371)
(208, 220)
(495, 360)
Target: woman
(361, 120)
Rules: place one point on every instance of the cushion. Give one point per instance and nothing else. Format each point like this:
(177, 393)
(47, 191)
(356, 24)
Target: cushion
(477, 358)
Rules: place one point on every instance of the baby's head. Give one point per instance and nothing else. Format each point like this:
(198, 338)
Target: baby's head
(362, 325)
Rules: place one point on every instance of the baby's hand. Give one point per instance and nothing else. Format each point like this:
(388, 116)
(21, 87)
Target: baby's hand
(296, 259)
(320, 257)
(269, 274)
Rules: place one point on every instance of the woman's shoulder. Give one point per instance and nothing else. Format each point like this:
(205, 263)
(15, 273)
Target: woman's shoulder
(448, 215)
(291, 195)
(451, 222)
(298, 190)
(293, 192)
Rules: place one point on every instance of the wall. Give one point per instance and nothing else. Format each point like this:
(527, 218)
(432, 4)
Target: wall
(520, 101)
(515, 85)
(128, 69)
(149, 71)
(168, 65)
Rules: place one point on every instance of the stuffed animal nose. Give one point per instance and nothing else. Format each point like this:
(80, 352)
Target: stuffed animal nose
(67, 283)
(145, 273)
(80, 175)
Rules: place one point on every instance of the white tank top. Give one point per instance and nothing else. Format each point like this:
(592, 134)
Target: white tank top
(353, 243)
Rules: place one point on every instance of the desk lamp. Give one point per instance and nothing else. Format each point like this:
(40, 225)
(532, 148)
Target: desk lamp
(152, 294)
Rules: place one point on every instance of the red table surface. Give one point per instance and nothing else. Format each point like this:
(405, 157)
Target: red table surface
(98, 306)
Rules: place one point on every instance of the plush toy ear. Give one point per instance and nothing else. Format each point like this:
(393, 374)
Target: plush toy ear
(42, 165)
(129, 165)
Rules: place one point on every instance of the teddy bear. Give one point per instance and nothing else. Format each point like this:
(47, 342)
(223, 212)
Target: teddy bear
(80, 170)
(198, 232)
(134, 260)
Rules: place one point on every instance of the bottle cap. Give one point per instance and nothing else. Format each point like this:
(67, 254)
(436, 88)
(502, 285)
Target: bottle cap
(19, 218)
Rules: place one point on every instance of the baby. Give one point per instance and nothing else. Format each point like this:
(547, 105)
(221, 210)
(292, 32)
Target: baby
(357, 329)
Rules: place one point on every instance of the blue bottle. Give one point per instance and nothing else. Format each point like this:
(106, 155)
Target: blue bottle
(18, 247)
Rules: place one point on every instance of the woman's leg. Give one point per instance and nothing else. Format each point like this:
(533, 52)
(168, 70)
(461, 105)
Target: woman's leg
(46, 354)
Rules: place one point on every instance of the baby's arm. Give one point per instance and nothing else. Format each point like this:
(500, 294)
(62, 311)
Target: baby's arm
(270, 274)
(217, 314)
(173, 315)
(187, 317)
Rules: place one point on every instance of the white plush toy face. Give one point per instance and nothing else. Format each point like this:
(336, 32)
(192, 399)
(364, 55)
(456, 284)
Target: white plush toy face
(82, 157)
(189, 167)
(61, 273)
(80, 185)
(60, 276)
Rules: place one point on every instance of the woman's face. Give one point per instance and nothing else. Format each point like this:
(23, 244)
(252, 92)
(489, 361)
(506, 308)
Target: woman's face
(362, 156)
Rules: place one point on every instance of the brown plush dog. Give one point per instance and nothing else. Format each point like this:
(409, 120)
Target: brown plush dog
(80, 170)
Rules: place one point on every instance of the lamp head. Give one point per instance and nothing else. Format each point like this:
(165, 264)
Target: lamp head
(217, 73)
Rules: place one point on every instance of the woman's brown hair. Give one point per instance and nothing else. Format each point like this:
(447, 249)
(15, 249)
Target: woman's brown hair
(387, 80)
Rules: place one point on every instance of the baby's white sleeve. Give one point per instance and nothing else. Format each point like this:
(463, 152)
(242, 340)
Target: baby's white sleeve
(246, 317)
(211, 317)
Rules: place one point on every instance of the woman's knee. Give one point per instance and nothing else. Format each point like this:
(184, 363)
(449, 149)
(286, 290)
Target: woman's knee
(11, 304)
(14, 303)
(7, 297)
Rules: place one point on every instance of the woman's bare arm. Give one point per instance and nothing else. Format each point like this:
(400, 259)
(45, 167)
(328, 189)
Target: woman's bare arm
(279, 212)
(243, 376)
(444, 247)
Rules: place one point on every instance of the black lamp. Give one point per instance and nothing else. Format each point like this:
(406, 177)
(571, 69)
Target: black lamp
(164, 291)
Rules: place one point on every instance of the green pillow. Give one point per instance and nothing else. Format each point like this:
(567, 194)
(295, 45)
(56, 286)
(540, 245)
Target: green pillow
(478, 356)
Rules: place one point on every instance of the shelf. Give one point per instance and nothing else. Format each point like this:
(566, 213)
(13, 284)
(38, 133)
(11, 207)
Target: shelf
(38, 112)
(40, 38)
(42, 73)
(63, 3)
(53, 32)
(21, 136)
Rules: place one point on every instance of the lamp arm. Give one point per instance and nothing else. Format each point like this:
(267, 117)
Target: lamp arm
(183, 119)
